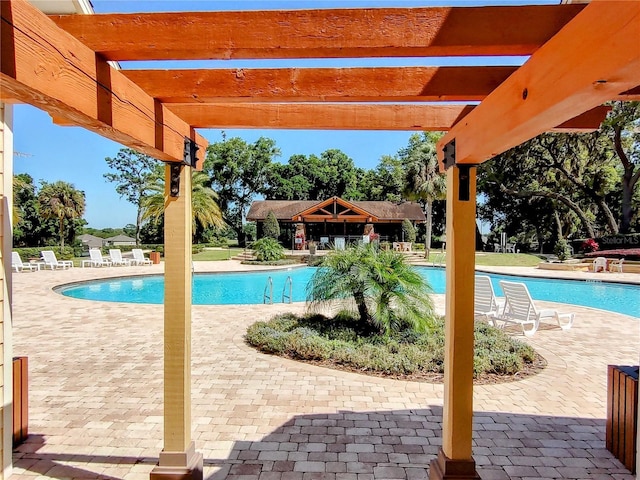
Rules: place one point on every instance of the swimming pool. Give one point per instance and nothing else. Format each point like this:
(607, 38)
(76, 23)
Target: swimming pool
(248, 288)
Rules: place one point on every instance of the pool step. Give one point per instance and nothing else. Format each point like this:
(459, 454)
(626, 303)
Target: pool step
(244, 256)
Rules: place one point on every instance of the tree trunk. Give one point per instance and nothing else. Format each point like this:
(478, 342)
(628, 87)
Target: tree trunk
(138, 223)
(629, 180)
(558, 225)
(627, 198)
(428, 227)
(363, 312)
(61, 232)
(611, 221)
(540, 238)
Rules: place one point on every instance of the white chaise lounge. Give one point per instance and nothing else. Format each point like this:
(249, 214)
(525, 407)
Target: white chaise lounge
(520, 309)
(49, 260)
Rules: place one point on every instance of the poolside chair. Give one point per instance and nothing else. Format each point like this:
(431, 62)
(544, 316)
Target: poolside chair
(139, 258)
(115, 254)
(485, 301)
(49, 259)
(16, 263)
(97, 260)
(616, 265)
(520, 309)
(599, 264)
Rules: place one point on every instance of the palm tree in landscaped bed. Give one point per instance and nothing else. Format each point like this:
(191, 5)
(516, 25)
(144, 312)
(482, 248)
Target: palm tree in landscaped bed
(389, 294)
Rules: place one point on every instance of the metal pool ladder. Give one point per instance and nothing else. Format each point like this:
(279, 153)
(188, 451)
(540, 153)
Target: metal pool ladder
(267, 297)
(288, 283)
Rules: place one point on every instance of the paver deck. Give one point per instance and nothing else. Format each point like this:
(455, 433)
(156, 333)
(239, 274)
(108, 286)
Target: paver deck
(96, 397)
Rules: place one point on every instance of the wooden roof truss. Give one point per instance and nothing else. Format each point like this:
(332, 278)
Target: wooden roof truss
(581, 57)
(335, 209)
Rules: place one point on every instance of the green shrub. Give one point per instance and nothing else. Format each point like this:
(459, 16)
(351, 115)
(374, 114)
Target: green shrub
(338, 341)
(271, 227)
(409, 231)
(65, 253)
(268, 249)
(561, 250)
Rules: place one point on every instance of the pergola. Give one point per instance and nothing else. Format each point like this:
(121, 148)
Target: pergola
(581, 56)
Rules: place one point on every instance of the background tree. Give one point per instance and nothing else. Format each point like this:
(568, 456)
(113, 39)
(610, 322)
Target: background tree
(408, 230)
(423, 180)
(250, 230)
(386, 182)
(271, 228)
(135, 173)
(61, 200)
(333, 173)
(28, 226)
(238, 171)
(623, 129)
(205, 209)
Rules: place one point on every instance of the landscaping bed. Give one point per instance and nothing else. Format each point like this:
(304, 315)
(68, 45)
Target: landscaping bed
(407, 355)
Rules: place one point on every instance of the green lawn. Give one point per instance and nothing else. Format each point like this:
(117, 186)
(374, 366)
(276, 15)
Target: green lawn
(497, 259)
(507, 259)
(214, 255)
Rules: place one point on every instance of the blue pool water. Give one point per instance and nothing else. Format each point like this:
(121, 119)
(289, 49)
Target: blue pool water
(248, 288)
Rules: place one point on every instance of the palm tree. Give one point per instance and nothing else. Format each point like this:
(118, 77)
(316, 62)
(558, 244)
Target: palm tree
(61, 200)
(389, 294)
(206, 211)
(19, 183)
(424, 181)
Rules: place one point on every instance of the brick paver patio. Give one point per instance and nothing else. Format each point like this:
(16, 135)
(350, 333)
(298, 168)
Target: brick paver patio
(96, 398)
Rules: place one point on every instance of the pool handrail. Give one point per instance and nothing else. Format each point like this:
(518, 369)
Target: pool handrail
(287, 283)
(268, 292)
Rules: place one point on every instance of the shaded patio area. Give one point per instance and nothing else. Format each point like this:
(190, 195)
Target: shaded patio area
(96, 398)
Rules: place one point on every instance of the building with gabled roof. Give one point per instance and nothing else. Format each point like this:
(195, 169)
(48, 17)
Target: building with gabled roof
(336, 217)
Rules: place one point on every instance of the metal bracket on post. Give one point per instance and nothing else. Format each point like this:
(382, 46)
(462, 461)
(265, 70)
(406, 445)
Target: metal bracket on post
(174, 179)
(464, 169)
(189, 158)
(449, 154)
(190, 150)
(463, 182)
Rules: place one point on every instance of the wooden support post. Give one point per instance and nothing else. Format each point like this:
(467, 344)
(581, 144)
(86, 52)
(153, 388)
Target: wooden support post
(178, 459)
(455, 459)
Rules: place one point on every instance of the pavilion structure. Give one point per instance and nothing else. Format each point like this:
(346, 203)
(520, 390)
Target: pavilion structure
(580, 56)
(324, 220)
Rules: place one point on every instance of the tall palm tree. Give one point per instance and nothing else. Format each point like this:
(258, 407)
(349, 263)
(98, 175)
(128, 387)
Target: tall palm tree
(19, 183)
(206, 211)
(62, 201)
(424, 182)
(389, 294)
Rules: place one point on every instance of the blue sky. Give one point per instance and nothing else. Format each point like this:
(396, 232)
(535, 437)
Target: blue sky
(49, 152)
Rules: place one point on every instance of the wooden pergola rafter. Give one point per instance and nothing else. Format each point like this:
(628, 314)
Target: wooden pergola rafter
(581, 57)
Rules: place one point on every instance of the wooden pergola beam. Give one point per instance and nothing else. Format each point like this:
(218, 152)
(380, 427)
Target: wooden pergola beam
(347, 116)
(321, 116)
(337, 33)
(383, 84)
(46, 67)
(593, 59)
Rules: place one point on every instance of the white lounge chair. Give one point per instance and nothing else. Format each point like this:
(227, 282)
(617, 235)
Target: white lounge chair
(96, 259)
(115, 254)
(616, 265)
(599, 264)
(49, 259)
(16, 263)
(485, 301)
(520, 309)
(139, 258)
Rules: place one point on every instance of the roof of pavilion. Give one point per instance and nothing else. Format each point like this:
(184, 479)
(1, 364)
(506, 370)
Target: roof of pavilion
(290, 210)
(581, 57)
